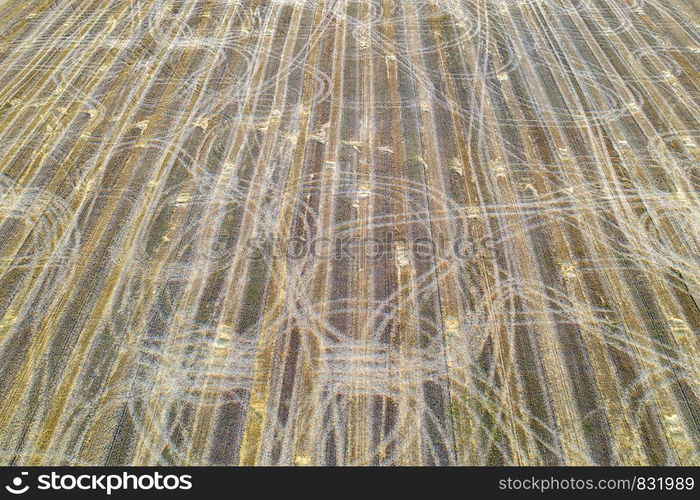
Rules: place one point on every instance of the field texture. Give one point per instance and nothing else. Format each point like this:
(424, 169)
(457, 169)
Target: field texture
(349, 232)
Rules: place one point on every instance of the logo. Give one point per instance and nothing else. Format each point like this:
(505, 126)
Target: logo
(17, 482)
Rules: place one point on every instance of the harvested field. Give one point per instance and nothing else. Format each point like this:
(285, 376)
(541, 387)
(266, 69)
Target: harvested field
(363, 232)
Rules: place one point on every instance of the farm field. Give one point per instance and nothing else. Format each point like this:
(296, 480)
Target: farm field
(350, 232)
